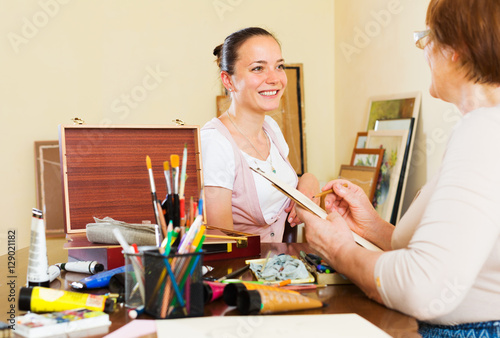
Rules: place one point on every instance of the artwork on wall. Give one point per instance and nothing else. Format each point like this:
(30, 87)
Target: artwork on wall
(393, 107)
(368, 158)
(48, 186)
(400, 124)
(403, 110)
(290, 116)
(364, 177)
(361, 140)
(394, 143)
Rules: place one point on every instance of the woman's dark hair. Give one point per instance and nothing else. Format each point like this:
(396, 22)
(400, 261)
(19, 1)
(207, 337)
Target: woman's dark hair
(471, 28)
(227, 53)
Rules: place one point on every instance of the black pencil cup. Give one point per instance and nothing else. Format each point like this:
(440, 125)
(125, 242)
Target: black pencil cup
(174, 285)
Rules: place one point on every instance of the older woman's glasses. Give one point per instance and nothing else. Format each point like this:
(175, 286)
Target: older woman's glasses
(421, 38)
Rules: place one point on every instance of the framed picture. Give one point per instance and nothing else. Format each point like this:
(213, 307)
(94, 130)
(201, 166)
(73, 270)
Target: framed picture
(361, 140)
(400, 124)
(394, 143)
(364, 177)
(48, 186)
(396, 106)
(365, 157)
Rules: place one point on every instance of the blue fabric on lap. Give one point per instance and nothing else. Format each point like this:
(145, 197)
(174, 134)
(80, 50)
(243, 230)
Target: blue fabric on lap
(469, 330)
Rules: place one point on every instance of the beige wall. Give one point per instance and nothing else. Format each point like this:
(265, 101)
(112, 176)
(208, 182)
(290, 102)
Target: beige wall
(375, 56)
(148, 62)
(61, 59)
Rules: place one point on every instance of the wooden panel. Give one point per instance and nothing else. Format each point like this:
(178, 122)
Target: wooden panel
(105, 173)
(48, 186)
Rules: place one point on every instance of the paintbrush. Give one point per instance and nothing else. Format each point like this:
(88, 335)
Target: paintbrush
(174, 161)
(167, 204)
(265, 262)
(166, 171)
(183, 172)
(153, 189)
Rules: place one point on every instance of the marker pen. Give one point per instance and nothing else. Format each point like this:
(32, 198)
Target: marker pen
(91, 267)
(54, 272)
(134, 313)
(100, 280)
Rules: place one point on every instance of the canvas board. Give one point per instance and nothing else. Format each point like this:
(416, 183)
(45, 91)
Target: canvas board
(393, 142)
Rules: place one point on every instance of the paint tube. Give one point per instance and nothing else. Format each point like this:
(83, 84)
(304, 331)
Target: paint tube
(40, 299)
(37, 262)
(212, 291)
(100, 280)
(270, 301)
(91, 267)
(232, 290)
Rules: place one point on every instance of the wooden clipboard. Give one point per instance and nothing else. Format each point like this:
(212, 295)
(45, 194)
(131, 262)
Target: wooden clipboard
(307, 204)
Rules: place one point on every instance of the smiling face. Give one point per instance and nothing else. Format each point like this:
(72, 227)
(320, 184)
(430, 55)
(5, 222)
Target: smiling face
(259, 77)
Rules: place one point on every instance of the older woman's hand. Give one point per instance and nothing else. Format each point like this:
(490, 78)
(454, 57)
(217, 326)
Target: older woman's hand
(328, 236)
(352, 204)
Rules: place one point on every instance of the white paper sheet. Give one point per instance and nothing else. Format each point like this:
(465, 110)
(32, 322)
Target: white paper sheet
(289, 326)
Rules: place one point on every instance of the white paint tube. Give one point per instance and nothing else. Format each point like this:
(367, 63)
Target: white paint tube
(38, 265)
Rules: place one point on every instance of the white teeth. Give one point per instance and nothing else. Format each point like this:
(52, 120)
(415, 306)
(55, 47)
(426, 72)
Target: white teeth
(269, 93)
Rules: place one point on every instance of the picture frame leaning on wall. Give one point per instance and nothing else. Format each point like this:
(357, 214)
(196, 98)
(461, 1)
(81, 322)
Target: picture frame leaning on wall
(400, 124)
(394, 143)
(364, 157)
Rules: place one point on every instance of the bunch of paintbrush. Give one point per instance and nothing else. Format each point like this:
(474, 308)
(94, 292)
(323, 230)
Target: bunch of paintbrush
(174, 204)
(173, 207)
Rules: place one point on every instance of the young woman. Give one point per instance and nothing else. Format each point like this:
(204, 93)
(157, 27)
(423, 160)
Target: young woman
(443, 258)
(252, 70)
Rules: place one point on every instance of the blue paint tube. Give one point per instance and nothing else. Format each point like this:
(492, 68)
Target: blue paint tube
(100, 280)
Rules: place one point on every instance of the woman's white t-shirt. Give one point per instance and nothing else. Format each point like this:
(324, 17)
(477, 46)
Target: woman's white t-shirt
(219, 167)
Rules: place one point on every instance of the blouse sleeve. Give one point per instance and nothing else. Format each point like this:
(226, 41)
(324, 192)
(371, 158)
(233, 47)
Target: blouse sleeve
(458, 230)
(218, 160)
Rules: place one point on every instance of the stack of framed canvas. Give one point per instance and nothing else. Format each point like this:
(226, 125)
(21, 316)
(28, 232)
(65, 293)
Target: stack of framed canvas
(386, 148)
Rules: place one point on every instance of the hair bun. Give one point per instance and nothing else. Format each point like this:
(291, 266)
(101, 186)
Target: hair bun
(217, 50)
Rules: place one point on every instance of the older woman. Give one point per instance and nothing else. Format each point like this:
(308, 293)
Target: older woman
(442, 261)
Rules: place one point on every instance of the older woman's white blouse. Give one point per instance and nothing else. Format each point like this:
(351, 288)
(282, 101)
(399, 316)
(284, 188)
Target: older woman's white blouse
(445, 266)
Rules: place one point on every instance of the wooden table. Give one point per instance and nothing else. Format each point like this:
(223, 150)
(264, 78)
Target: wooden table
(340, 298)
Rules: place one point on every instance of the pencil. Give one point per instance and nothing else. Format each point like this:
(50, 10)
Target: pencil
(234, 273)
(329, 191)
